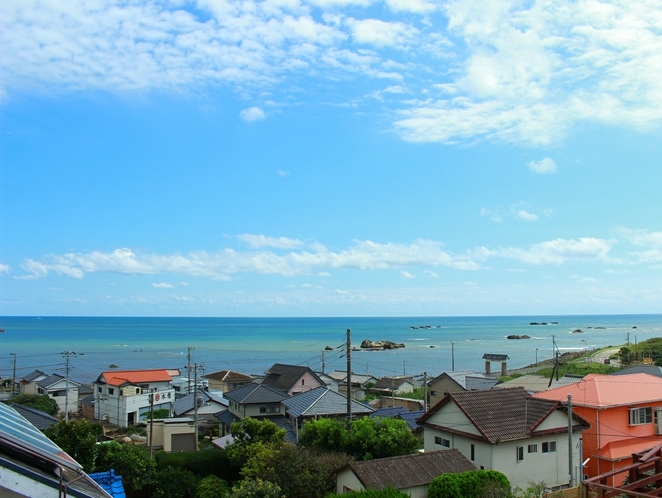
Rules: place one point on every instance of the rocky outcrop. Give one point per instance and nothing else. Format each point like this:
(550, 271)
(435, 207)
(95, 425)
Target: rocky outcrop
(518, 337)
(378, 345)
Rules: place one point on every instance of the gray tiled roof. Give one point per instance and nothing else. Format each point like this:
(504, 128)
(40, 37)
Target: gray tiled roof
(389, 412)
(31, 376)
(480, 383)
(255, 393)
(41, 420)
(284, 377)
(322, 401)
(50, 380)
(411, 418)
(390, 382)
(226, 417)
(185, 404)
(486, 411)
(403, 472)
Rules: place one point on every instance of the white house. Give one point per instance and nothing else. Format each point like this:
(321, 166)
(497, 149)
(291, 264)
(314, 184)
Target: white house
(506, 430)
(54, 386)
(125, 397)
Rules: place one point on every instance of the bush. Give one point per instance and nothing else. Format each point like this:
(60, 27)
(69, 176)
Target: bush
(202, 463)
(175, 483)
(470, 484)
(372, 493)
(38, 402)
(78, 438)
(212, 487)
(131, 462)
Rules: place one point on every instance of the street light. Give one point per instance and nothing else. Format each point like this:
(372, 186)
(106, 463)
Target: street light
(13, 379)
(536, 356)
(453, 355)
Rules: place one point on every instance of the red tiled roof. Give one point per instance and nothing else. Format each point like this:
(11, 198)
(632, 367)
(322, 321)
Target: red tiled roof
(121, 377)
(601, 391)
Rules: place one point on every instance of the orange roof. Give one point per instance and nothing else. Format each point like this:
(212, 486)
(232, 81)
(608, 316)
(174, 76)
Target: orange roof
(603, 391)
(617, 450)
(120, 377)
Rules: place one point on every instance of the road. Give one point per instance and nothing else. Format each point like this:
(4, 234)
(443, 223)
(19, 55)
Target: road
(603, 354)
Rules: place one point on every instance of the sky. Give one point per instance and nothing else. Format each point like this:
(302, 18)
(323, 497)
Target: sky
(330, 157)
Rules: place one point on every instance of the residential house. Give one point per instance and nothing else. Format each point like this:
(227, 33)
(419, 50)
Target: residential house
(32, 465)
(411, 474)
(329, 381)
(54, 386)
(459, 381)
(388, 386)
(209, 403)
(361, 383)
(125, 397)
(410, 404)
(507, 430)
(227, 380)
(184, 386)
(252, 400)
(320, 402)
(291, 379)
(624, 413)
(649, 369)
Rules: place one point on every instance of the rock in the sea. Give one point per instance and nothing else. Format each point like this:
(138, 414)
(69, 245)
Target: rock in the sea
(368, 344)
(514, 336)
(328, 348)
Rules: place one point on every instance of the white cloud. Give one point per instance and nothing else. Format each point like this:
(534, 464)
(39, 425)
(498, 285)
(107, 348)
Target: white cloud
(4, 268)
(544, 166)
(283, 173)
(416, 6)
(260, 241)
(380, 33)
(407, 275)
(559, 251)
(163, 285)
(641, 237)
(521, 214)
(493, 215)
(252, 114)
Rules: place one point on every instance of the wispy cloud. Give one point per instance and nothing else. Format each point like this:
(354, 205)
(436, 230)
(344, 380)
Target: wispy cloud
(559, 251)
(521, 214)
(544, 166)
(4, 268)
(163, 285)
(260, 241)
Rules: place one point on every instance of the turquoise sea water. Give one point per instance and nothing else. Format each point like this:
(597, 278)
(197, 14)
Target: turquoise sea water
(250, 345)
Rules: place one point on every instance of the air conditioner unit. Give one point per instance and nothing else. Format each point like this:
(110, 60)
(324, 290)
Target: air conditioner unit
(104, 417)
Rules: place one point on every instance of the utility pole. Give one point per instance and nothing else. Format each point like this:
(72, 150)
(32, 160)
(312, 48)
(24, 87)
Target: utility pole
(571, 483)
(453, 356)
(323, 364)
(188, 369)
(195, 405)
(66, 388)
(404, 368)
(349, 375)
(13, 379)
(425, 392)
(151, 423)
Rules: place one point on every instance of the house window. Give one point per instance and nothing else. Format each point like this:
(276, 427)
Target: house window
(111, 390)
(533, 448)
(100, 389)
(549, 447)
(520, 453)
(442, 442)
(433, 393)
(473, 452)
(263, 409)
(303, 381)
(639, 416)
(273, 409)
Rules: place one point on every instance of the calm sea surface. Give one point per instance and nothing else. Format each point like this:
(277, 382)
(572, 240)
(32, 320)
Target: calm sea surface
(250, 345)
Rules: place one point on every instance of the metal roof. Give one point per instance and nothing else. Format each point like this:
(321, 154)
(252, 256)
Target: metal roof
(284, 377)
(185, 404)
(322, 401)
(40, 419)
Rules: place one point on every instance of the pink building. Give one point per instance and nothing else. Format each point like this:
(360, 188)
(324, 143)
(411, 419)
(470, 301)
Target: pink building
(624, 413)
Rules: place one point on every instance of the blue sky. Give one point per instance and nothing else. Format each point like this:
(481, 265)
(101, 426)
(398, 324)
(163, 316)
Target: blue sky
(330, 157)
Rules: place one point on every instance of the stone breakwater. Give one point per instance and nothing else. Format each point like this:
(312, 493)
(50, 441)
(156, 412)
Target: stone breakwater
(380, 345)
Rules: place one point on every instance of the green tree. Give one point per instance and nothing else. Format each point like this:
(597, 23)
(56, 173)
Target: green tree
(173, 482)
(37, 401)
(299, 472)
(213, 461)
(212, 487)
(78, 438)
(131, 462)
(253, 435)
(365, 439)
(372, 493)
(158, 413)
(256, 488)
(470, 484)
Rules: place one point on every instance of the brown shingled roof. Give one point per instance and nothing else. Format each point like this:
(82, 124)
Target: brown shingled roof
(409, 470)
(500, 415)
(228, 376)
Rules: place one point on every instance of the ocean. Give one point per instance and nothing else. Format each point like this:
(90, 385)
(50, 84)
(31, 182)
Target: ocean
(250, 345)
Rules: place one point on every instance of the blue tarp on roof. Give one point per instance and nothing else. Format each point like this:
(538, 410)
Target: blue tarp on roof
(111, 483)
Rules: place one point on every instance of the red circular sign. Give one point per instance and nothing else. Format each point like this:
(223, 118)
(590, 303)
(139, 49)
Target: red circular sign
(157, 397)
